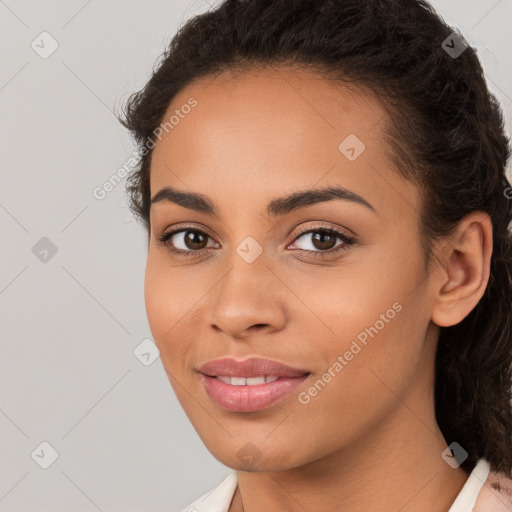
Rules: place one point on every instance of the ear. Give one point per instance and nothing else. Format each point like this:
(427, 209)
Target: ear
(463, 272)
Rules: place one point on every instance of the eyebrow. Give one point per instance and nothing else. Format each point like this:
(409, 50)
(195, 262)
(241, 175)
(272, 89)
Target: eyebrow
(277, 207)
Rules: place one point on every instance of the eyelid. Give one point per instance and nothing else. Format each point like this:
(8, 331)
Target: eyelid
(184, 226)
(326, 227)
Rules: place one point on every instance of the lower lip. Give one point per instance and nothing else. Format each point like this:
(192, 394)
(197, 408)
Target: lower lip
(250, 398)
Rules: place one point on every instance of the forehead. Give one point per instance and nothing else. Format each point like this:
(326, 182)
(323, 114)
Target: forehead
(263, 131)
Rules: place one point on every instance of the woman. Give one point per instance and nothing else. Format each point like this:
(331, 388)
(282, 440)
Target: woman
(329, 262)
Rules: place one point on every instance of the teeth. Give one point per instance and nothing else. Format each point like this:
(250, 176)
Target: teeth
(247, 381)
(253, 381)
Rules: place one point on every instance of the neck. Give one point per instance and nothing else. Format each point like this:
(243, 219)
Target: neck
(406, 473)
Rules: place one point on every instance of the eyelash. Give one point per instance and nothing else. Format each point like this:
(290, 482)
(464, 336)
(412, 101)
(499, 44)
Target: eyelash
(347, 244)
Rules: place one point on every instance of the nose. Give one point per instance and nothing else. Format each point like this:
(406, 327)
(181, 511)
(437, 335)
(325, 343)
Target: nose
(249, 300)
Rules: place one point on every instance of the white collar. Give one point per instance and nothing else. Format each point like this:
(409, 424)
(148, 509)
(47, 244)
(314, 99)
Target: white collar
(466, 499)
(219, 498)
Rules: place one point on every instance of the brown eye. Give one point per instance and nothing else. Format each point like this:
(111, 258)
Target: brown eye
(323, 241)
(195, 240)
(185, 241)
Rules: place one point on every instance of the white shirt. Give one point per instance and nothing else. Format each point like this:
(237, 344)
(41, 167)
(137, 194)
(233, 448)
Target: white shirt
(219, 498)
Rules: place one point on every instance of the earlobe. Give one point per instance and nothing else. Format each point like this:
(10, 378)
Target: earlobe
(465, 273)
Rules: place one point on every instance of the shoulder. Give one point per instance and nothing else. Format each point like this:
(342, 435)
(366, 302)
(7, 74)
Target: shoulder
(495, 495)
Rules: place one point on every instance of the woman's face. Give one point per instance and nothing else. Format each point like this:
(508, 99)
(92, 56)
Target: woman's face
(354, 316)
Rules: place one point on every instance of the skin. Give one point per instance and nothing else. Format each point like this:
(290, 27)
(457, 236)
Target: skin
(369, 439)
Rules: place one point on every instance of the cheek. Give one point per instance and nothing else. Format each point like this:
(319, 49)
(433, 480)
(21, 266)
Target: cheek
(367, 324)
(356, 387)
(155, 284)
(162, 300)
(345, 303)
(172, 308)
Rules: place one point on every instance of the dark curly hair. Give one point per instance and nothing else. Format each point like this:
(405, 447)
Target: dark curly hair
(445, 134)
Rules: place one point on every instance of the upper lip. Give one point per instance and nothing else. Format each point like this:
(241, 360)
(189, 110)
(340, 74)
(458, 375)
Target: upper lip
(251, 367)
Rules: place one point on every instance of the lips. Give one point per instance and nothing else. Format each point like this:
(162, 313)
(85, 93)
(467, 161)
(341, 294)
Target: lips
(249, 368)
(249, 385)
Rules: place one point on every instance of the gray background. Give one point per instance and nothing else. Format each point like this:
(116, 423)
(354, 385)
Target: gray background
(70, 323)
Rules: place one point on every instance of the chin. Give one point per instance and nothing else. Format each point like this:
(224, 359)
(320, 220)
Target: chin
(251, 459)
